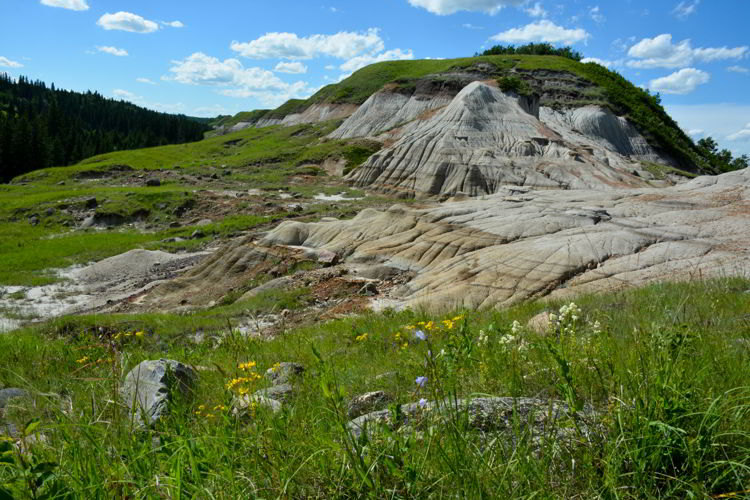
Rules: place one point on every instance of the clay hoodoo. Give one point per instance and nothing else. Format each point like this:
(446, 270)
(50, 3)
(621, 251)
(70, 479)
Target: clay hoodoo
(485, 138)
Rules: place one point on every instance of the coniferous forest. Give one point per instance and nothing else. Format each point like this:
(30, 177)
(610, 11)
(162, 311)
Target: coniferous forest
(43, 126)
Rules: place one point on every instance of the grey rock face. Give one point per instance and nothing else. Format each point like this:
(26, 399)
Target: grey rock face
(245, 406)
(285, 373)
(484, 139)
(149, 387)
(367, 403)
(536, 416)
(281, 392)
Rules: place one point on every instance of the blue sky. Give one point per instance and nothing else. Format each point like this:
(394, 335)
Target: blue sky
(227, 56)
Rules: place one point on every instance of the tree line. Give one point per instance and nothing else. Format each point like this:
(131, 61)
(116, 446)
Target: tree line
(43, 126)
(532, 49)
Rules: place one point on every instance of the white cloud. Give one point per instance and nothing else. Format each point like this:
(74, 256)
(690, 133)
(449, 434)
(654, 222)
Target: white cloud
(684, 9)
(145, 80)
(127, 95)
(536, 10)
(272, 99)
(7, 63)
(738, 69)
(358, 62)
(112, 50)
(294, 68)
(741, 135)
(683, 81)
(717, 119)
(342, 45)
(470, 26)
(329, 67)
(660, 52)
(210, 111)
(542, 31)
(67, 4)
(595, 13)
(173, 24)
(602, 62)
(446, 7)
(201, 69)
(127, 21)
(696, 132)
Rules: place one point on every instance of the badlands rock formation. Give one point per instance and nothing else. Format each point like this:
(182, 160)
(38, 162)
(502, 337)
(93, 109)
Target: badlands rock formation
(517, 244)
(485, 138)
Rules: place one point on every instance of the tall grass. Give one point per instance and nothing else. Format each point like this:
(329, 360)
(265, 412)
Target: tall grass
(664, 368)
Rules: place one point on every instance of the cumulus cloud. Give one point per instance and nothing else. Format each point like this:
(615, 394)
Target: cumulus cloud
(127, 21)
(660, 52)
(738, 69)
(696, 132)
(683, 81)
(342, 45)
(741, 135)
(67, 4)
(470, 26)
(536, 10)
(542, 31)
(358, 62)
(173, 24)
(7, 63)
(145, 80)
(601, 62)
(446, 7)
(112, 50)
(210, 111)
(684, 9)
(294, 68)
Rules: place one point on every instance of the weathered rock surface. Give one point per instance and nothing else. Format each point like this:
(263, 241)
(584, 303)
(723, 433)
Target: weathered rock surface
(367, 403)
(245, 406)
(149, 387)
(514, 245)
(285, 373)
(485, 139)
(540, 418)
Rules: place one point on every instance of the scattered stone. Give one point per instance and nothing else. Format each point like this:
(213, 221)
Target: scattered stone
(197, 234)
(150, 386)
(369, 289)
(280, 392)
(153, 182)
(285, 373)
(295, 207)
(50, 211)
(542, 418)
(539, 323)
(11, 393)
(88, 222)
(214, 176)
(91, 203)
(204, 222)
(174, 224)
(367, 403)
(245, 406)
(34, 220)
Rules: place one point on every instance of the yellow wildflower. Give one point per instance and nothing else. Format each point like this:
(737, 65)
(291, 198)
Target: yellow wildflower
(247, 366)
(202, 407)
(276, 366)
(406, 344)
(82, 360)
(458, 318)
(448, 323)
(361, 338)
(430, 325)
(410, 327)
(139, 333)
(220, 407)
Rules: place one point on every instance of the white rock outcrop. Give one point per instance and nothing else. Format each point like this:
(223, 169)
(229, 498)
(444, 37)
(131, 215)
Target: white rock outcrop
(484, 139)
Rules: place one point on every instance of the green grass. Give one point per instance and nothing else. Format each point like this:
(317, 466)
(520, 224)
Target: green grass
(667, 370)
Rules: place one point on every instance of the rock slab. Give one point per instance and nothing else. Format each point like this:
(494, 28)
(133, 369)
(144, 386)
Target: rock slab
(150, 387)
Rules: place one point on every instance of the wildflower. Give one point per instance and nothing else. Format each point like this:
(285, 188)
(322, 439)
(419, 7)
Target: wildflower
(430, 325)
(420, 335)
(82, 360)
(410, 327)
(220, 407)
(448, 323)
(458, 318)
(275, 367)
(422, 403)
(515, 328)
(139, 333)
(361, 338)
(404, 345)
(202, 407)
(247, 366)
(507, 339)
(483, 338)
(596, 328)
(421, 381)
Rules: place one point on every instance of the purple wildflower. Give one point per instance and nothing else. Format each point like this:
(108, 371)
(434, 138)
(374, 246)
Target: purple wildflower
(422, 403)
(420, 335)
(421, 381)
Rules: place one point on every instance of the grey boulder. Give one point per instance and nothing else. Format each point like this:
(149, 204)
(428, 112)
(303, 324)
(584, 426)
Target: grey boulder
(149, 388)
